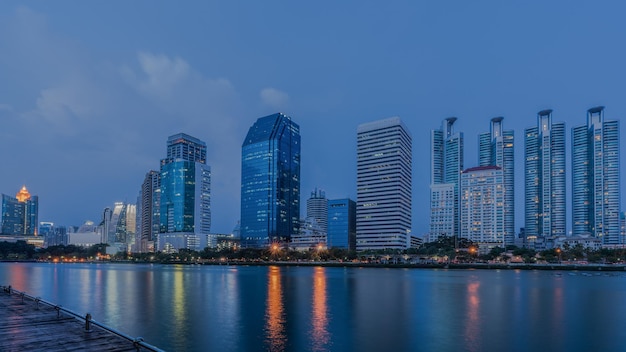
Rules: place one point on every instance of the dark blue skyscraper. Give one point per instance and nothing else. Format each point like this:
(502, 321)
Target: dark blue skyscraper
(341, 224)
(270, 181)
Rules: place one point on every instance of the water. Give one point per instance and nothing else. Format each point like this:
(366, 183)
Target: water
(249, 308)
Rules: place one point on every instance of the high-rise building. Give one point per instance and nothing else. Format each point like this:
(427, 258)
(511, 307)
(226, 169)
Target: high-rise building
(185, 198)
(149, 211)
(445, 170)
(482, 206)
(384, 160)
(596, 178)
(496, 149)
(20, 214)
(341, 224)
(270, 181)
(544, 177)
(317, 208)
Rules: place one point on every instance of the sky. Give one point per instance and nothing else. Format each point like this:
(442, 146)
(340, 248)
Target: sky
(90, 90)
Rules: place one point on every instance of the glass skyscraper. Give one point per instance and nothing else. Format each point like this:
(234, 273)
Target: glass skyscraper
(341, 224)
(496, 149)
(384, 167)
(596, 178)
(20, 214)
(185, 198)
(446, 166)
(270, 181)
(544, 177)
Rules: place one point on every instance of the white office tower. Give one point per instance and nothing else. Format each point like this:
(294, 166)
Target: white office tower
(496, 149)
(446, 166)
(384, 159)
(544, 178)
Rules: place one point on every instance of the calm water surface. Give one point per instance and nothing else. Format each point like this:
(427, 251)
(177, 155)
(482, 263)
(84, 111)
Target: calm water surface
(241, 308)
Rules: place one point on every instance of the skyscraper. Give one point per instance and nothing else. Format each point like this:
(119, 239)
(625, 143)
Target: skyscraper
(596, 178)
(317, 208)
(270, 181)
(149, 212)
(384, 161)
(341, 224)
(544, 177)
(496, 149)
(446, 166)
(185, 199)
(20, 214)
(482, 206)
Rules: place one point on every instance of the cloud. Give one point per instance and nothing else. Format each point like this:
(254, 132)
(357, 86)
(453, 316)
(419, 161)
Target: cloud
(6, 107)
(274, 98)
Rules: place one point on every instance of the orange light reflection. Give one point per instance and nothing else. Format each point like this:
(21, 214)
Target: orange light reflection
(320, 334)
(275, 313)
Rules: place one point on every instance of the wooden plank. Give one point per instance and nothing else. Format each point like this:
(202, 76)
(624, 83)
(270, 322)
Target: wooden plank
(26, 327)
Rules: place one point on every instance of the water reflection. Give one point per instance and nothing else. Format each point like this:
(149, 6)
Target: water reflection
(319, 318)
(275, 311)
(472, 321)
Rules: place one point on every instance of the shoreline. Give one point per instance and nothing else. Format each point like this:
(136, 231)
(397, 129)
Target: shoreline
(461, 266)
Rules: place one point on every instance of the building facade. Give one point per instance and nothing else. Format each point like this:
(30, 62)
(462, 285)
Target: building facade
(341, 224)
(185, 190)
(483, 206)
(149, 210)
(446, 166)
(496, 148)
(384, 188)
(544, 177)
(20, 214)
(596, 178)
(270, 182)
(317, 208)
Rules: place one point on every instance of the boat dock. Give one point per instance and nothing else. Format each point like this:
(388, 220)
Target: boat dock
(29, 323)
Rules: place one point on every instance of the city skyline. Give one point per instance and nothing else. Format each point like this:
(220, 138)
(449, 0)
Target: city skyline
(90, 106)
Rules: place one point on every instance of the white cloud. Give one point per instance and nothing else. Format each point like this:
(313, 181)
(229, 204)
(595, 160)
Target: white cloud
(274, 98)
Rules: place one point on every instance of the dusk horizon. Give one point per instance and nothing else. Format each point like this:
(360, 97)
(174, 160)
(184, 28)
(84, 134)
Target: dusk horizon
(90, 105)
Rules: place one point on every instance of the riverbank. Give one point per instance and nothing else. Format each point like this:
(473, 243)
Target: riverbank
(474, 266)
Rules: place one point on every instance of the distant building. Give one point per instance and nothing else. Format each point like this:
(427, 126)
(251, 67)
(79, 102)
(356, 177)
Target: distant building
(445, 171)
(317, 208)
(185, 193)
(270, 182)
(544, 177)
(496, 148)
(596, 178)
(384, 174)
(311, 236)
(85, 236)
(482, 206)
(20, 214)
(341, 224)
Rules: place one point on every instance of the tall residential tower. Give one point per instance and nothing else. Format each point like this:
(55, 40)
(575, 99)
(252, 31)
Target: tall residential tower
(384, 162)
(445, 170)
(596, 178)
(544, 177)
(496, 149)
(270, 181)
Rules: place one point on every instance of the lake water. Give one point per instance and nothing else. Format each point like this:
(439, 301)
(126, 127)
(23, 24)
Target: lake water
(258, 308)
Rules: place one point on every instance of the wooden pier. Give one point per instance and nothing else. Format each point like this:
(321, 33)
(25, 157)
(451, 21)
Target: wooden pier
(30, 324)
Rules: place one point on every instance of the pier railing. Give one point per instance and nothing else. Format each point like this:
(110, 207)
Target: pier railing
(137, 342)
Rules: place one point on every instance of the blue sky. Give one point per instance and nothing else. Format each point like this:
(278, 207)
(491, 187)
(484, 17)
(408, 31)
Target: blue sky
(90, 91)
